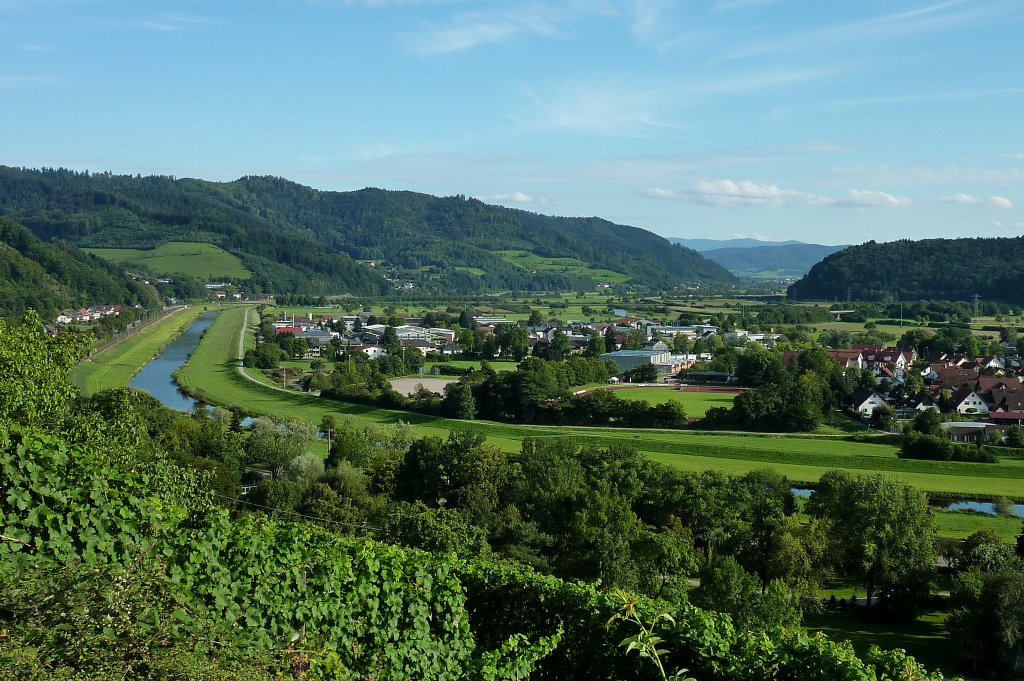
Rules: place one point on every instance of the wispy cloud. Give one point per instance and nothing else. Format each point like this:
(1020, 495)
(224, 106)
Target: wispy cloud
(944, 16)
(473, 29)
(910, 98)
(969, 200)
(513, 197)
(178, 22)
(615, 106)
(730, 193)
(15, 81)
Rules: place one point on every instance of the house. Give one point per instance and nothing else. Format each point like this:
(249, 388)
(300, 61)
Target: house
(954, 377)
(847, 359)
(967, 401)
(865, 401)
(657, 344)
(66, 317)
(990, 363)
(968, 431)
(925, 403)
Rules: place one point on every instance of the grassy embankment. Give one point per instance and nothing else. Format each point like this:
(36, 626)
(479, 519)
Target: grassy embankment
(212, 375)
(114, 367)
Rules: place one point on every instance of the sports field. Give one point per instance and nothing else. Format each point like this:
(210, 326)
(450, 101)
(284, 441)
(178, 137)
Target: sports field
(695, 404)
(213, 375)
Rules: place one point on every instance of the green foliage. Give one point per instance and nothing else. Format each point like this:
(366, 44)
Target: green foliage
(49, 277)
(945, 269)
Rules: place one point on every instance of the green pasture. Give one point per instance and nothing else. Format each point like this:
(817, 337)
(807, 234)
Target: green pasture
(695, 404)
(530, 261)
(962, 525)
(204, 261)
(115, 366)
(496, 364)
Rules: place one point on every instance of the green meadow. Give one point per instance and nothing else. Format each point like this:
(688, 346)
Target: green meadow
(204, 261)
(530, 261)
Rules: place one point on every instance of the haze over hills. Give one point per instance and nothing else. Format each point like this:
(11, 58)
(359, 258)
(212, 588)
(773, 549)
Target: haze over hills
(946, 269)
(756, 259)
(294, 238)
(703, 245)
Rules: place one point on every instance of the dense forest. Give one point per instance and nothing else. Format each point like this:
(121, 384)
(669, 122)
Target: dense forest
(49, 277)
(936, 269)
(297, 239)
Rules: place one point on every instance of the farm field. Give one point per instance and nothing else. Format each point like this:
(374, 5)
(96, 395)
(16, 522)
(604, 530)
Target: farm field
(530, 261)
(211, 374)
(114, 367)
(962, 525)
(695, 404)
(204, 261)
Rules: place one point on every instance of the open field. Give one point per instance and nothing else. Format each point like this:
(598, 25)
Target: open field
(695, 404)
(114, 367)
(204, 261)
(962, 525)
(211, 374)
(529, 261)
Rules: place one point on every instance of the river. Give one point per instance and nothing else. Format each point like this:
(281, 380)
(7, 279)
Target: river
(979, 506)
(156, 377)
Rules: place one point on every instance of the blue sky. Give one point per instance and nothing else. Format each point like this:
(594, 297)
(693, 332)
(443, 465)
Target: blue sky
(831, 122)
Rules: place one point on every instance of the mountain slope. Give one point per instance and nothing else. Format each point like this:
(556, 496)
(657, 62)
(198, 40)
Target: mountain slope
(52, 276)
(771, 262)
(294, 238)
(950, 269)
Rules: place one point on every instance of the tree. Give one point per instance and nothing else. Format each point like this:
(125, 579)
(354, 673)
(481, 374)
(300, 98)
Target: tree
(559, 348)
(459, 402)
(882, 529)
(986, 619)
(927, 422)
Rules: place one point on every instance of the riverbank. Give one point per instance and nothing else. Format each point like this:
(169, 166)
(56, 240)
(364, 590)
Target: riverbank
(115, 366)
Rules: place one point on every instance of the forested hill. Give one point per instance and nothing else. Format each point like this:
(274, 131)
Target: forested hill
(300, 239)
(784, 261)
(949, 269)
(49, 277)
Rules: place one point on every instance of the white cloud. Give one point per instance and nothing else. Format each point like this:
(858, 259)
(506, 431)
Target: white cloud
(177, 22)
(860, 197)
(968, 200)
(729, 193)
(745, 193)
(472, 29)
(614, 106)
(513, 197)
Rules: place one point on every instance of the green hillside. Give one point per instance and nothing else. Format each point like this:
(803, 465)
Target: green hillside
(204, 261)
(48, 277)
(297, 239)
(786, 261)
(932, 269)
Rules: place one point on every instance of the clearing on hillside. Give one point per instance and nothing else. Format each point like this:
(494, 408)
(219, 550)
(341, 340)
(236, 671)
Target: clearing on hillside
(204, 261)
(529, 261)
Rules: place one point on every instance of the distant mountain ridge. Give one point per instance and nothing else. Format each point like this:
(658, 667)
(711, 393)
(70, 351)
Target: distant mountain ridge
(703, 245)
(931, 269)
(755, 259)
(298, 239)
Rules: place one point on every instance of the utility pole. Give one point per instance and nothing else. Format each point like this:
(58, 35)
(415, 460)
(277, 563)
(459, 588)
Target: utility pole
(976, 299)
